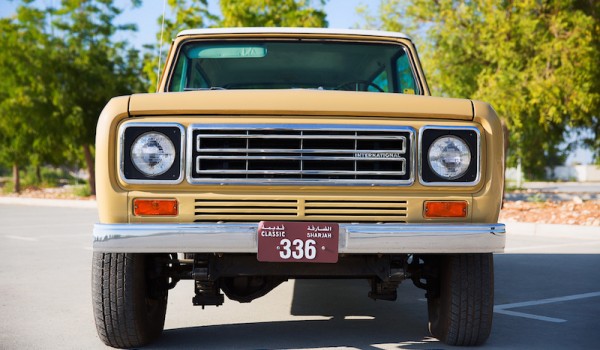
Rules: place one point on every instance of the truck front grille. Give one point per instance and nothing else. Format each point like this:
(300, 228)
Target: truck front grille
(339, 210)
(301, 154)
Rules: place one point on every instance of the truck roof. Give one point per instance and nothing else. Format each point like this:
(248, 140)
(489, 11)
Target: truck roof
(288, 30)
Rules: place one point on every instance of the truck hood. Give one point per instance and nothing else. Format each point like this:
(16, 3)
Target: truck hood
(299, 102)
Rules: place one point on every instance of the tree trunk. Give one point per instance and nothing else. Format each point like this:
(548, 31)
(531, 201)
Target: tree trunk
(16, 178)
(89, 160)
(38, 175)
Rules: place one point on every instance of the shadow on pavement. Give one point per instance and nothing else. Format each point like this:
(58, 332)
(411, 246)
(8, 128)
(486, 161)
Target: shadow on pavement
(357, 322)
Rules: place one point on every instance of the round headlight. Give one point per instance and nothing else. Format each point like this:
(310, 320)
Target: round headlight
(153, 153)
(449, 157)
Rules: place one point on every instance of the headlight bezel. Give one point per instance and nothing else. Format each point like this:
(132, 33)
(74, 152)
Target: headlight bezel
(470, 135)
(130, 132)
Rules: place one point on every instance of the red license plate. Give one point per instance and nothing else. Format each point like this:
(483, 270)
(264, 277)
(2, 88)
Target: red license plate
(282, 241)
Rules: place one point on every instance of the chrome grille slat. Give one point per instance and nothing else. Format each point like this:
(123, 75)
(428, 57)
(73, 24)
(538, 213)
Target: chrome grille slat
(299, 151)
(304, 172)
(299, 137)
(233, 208)
(300, 154)
(298, 158)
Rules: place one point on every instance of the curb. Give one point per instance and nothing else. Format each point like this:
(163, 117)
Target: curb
(552, 230)
(59, 203)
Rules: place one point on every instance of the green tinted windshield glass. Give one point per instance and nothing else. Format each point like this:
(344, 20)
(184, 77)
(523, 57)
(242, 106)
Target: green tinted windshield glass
(327, 65)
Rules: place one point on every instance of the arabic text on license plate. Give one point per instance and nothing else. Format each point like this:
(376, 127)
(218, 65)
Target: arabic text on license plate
(282, 241)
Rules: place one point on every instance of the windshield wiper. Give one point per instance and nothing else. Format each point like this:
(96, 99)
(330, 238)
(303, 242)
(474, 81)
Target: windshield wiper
(202, 89)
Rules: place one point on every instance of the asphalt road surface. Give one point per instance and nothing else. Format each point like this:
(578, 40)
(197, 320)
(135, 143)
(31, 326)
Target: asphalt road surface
(547, 297)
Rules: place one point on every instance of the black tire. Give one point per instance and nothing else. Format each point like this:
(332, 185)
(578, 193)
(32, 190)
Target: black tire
(129, 306)
(460, 312)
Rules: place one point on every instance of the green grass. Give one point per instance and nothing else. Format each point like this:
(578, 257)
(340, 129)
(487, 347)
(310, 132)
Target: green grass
(82, 190)
(49, 177)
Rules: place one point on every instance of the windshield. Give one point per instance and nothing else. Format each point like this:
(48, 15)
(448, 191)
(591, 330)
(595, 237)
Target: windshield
(325, 65)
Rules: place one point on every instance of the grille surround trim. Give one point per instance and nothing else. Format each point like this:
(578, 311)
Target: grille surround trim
(408, 161)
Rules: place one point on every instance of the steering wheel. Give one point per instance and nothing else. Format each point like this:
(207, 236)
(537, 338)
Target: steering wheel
(355, 86)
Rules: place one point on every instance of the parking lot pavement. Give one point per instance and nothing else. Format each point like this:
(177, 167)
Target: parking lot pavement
(547, 297)
(556, 239)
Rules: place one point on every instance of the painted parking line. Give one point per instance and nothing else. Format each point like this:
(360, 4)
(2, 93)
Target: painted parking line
(503, 309)
(21, 238)
(531, 316)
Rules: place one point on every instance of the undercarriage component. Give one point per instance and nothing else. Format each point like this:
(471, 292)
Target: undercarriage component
(381, 290)
(424, 271)
(206, 287)
(243, 278)
(207, 293)
(386, 289)
(384, 267)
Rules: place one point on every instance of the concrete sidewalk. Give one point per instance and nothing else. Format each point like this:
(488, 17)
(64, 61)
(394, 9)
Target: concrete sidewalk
(43, 202)
(564, 187)
(552, 231)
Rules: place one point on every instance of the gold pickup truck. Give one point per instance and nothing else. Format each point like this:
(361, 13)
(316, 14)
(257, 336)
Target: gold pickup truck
(270, 154)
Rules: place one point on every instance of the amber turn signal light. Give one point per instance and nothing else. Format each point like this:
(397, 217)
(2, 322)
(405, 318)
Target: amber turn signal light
(445, 209)
(155, 207)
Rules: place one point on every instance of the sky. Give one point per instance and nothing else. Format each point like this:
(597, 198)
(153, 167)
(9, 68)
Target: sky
(340, 14)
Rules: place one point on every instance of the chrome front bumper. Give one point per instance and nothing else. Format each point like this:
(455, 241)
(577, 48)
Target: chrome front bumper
(354, 238)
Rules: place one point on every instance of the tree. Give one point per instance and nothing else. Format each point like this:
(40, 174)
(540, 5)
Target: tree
(269, 13)
(27, 120)
(190, 14)
(94, 68)
(389, 17)
(534, 61)
(59, 67)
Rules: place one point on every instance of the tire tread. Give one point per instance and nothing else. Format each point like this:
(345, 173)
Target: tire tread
(113, 297)
(469, 281)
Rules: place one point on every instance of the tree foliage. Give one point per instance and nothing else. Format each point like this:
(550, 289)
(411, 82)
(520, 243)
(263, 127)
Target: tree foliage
(94, 69)
(191, 14)
(269, 13)
(27, 121)
(535, 61)
(187, 14)
(60, 66)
